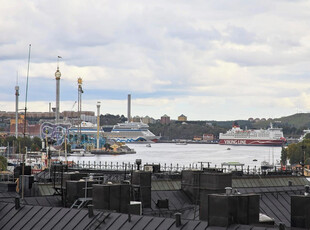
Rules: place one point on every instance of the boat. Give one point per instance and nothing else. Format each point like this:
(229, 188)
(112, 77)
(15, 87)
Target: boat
(265, 165)
(86, 128)
(81, 153)
(181, 143)
(261, 137)
(115, 149)
(131, 132)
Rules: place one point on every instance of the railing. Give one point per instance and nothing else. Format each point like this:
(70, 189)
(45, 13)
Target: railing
(6, 176)
(176, 168)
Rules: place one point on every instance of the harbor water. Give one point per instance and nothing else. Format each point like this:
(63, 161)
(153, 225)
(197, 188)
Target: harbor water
(184, 155)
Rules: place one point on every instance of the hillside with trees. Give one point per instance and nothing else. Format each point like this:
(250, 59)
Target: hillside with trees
(292, 126)
(177, 130)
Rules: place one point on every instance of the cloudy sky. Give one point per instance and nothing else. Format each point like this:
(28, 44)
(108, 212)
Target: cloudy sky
(216, 59)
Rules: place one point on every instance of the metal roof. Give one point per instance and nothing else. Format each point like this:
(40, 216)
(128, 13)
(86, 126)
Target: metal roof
(178, 202)
(45, 189)
(275, 202)
(166, 184)
(242, 182)
(37, 217)
(48, 201)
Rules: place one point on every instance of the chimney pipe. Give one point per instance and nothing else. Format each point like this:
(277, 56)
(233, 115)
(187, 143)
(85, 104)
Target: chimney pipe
(307, 190)
(177, 219)
(129, 108)
(138, 162)
(228, 190)
(129, 214)
(90, 210)
(17, 203)
(281, 226)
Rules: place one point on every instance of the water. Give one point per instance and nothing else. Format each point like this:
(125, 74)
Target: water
(191, 154)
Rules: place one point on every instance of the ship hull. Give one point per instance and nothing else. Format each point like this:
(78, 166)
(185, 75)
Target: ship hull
(135, 139)
(251, 142)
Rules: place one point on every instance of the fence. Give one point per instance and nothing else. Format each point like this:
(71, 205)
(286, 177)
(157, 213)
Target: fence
(126, 166)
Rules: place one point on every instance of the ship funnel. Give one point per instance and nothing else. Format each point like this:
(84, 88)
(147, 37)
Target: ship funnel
(129, 108)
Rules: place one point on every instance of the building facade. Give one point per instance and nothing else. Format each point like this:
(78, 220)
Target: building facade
(182, 117)
(165, 119)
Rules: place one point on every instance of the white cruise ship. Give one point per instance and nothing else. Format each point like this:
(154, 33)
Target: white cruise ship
(131, 132)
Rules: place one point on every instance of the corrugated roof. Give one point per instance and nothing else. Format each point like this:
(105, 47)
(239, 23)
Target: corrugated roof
(167, 185)
(244, 182)
(275, 202)
(37, 217)
(47, 201)
(46, 189)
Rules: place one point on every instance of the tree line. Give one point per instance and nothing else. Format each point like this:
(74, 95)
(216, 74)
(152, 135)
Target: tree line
(297, 153)
(19, 144)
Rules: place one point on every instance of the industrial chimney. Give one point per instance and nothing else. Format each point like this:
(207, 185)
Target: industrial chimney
(129, 108)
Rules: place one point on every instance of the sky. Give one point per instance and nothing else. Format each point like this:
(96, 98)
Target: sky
(208, 60)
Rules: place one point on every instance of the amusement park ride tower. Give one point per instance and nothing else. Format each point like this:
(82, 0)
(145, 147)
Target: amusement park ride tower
(57, 77)
(16, 109)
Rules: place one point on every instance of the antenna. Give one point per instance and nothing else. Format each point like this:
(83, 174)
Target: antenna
(23, 168)
(27, 80)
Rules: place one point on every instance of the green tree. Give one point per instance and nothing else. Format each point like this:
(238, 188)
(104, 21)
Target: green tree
(3, 163)
(283, 156)
(298, 152)
(37, 141)
(10, 140)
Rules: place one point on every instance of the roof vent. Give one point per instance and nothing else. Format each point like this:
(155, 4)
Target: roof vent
(17, 203)
(163, 203)
(177, 219)
(90, 210)
(290, 183)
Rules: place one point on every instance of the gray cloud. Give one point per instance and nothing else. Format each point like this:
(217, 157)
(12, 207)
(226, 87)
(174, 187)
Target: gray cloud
(214, 51)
